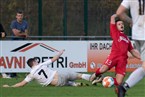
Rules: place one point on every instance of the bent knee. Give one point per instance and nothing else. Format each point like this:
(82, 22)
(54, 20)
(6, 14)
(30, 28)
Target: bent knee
(79, 76)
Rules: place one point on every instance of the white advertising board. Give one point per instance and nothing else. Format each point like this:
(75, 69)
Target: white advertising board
(79, 56)
(14, 55)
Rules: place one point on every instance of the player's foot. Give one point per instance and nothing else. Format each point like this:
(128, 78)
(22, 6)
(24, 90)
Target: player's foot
(93, 77)
(77, 84)
(98, 79)
(121, 91)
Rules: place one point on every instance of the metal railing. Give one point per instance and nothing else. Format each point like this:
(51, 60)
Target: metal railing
(64, 37)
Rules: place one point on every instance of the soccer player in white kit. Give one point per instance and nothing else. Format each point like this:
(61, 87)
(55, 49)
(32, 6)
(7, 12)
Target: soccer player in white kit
(45, 76)
(137, 21)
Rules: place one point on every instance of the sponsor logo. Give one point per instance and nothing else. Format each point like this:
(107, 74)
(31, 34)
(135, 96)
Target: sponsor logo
(93, 65)
(123, 38)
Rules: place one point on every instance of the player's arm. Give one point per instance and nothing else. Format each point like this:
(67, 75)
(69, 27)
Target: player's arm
(20, 84)
(113, 28)
(53, 59)
(112, 19)
(57, 56)
(135, 54)
(121, 13)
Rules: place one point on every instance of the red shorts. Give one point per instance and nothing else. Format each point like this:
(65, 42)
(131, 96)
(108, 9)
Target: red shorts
(119, 63)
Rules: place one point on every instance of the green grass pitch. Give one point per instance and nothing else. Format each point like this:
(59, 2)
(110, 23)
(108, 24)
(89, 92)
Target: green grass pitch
(35, 90)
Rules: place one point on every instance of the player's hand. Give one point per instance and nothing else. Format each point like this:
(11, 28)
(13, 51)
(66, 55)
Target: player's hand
(112, 19)
(61, 52)
(114, 15)
(6, 86)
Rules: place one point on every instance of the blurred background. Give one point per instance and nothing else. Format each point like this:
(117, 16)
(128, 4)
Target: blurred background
(62, 17)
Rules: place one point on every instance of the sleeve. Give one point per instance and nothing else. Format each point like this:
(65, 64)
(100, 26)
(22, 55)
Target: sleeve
(113, 31)
(28, 78)
(47, 62)
(130, 46)
(12, 26)
(125, 3)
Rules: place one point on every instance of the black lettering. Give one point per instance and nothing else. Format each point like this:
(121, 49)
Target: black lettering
(44, 59)
(93, 46)
(60, 62)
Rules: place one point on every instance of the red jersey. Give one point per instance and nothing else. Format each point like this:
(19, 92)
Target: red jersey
(121, 43)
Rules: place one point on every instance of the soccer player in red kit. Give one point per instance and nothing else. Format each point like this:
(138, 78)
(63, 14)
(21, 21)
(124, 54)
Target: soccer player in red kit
(119, 52)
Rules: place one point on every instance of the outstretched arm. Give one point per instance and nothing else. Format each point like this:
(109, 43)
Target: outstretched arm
(20, 84)
(121, 13)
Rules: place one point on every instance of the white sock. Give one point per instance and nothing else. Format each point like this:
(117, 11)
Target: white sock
(71, 83)
(135, 77)
(86, 76)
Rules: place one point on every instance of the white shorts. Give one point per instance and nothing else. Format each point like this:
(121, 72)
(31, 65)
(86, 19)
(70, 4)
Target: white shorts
(140, 46)
(65, 77)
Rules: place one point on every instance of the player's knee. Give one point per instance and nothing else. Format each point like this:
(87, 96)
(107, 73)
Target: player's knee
(79, 76)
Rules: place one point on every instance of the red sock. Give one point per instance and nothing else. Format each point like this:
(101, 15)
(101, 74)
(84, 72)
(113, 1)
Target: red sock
(98, 72)
(115, 82)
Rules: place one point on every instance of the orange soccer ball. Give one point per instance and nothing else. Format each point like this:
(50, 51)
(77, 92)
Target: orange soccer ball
(108, 82)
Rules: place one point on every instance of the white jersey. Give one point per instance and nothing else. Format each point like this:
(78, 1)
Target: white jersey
(138, 29)
(41, 73)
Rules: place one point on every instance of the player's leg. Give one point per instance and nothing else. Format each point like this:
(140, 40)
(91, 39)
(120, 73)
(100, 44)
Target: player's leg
(62, 79)
(73, 83)
(66, 78)
(120, 70)
(83, 76)
(108, 64)
(72, 76)
(98, 72)
(117, 81)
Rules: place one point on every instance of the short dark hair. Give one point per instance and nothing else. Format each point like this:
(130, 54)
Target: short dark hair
(117, 19)
(30, 62)
(20, 11)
